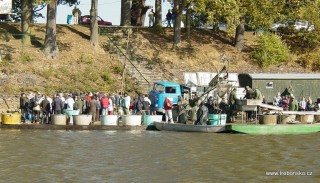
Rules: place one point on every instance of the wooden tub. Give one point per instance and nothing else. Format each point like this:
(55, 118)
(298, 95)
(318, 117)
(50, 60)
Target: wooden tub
(82, 119)
(269, 119)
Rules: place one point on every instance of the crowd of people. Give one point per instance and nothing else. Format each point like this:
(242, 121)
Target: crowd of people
(290, 103)
(194, 109)
(39, 108)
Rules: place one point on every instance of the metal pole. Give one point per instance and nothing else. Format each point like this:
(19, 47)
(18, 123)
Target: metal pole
(124, 65)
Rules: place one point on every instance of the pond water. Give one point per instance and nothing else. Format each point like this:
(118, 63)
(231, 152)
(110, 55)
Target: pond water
(156, 156)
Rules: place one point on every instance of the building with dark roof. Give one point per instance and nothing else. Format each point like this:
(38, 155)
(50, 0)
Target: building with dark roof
(270, 84)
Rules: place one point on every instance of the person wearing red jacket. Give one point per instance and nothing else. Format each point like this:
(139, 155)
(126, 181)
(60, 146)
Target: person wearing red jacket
(104, 105)
(168, 109)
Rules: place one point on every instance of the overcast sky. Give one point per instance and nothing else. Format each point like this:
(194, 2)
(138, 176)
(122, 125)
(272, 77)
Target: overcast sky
(108, 10)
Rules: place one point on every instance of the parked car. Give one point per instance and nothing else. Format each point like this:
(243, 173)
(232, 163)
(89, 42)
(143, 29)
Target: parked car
(86, 20)
(221, 26)
(302, 24)
(277, 25)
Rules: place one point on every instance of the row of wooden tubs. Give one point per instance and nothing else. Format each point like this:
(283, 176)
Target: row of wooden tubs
(291, 117)
(84, 119)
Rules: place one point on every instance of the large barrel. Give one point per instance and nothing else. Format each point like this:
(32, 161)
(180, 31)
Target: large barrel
(109, 120)
(269, 119)
(305, 118)
(316, 118)
(11, 118)
(217, 119)
(59, 119)
(213, 119)
(284, 119)
(82, 119)
(148, 120)
(131, 120)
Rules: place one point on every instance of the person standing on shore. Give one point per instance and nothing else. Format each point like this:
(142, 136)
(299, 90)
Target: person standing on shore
(117, 103)
(36, 107)
(79, 104)
(70, 102)
(151, 18)
(57, 104)
(76, 13)
(104, 104)
(146, 105)
(45, 106)
(125, 104)
(168, 18)
(93, 107)
(168, 110)
(110, 106)
(29, 108)
(23, 103)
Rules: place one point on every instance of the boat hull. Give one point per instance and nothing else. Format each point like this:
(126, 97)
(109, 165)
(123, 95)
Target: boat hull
(276, 129)
(189, 128)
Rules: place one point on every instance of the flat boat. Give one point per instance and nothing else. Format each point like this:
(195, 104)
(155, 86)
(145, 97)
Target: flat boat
(275, 129)
(178, 127)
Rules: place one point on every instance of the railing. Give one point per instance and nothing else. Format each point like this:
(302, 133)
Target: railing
(127, 58)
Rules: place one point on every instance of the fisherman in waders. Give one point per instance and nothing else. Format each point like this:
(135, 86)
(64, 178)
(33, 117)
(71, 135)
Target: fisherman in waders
(193, 103)
(182, 110)
(202, 114)
(232, 103)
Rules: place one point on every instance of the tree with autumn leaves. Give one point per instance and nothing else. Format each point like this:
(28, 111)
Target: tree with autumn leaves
(235, 13)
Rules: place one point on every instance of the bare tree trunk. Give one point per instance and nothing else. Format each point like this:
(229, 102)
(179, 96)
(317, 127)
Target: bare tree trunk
(158, 14)
(50, 46)
(139, 12)
(94, 37)
(188, 22)
(177, 10)
(125, 13)
(26, 16)
(239, 37)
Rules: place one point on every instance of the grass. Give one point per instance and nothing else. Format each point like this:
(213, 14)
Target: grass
(80, 67)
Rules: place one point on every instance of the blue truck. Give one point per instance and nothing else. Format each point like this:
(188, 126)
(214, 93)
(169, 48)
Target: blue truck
(172, 90)
(164, 89)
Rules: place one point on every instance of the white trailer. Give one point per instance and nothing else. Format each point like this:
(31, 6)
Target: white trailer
(5, 9)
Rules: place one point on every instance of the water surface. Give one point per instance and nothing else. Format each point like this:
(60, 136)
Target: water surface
(154, 156)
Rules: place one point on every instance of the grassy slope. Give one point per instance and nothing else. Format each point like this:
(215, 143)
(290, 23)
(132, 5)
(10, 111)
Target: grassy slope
(80, 67)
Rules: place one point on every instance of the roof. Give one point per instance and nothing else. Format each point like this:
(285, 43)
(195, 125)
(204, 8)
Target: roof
(292, 76)
(167, 83)
(204, 78)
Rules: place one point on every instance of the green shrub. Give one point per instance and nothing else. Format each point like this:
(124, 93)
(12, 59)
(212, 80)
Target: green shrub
(311, 60)
(85, 59)
(26, 58)
(46, 73)
(107, 78)
(117, 69)
(305, 41)
(270, 50)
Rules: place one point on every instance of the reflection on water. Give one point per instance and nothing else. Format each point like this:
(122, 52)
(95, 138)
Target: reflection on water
(152, 156)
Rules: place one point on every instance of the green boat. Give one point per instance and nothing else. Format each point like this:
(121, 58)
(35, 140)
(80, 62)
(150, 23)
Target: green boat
(274, 129)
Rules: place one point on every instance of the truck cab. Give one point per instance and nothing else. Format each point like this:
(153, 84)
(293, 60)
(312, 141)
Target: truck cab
(161, 90)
